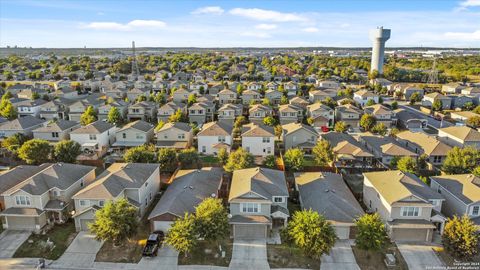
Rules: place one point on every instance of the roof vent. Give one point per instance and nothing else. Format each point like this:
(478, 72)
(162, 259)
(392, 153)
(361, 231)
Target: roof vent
(190, 187)
(327, 190)
(213, 195)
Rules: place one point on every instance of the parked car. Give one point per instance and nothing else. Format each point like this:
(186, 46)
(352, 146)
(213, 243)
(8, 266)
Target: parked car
(154, 242)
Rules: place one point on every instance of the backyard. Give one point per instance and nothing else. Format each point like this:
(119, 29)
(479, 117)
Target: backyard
(285, 256)
(36, 246)
(370, 260)
(207, 253)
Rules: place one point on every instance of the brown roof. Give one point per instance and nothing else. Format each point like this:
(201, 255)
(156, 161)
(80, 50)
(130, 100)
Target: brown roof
(216, 129)
(463, 133)
(429, 144)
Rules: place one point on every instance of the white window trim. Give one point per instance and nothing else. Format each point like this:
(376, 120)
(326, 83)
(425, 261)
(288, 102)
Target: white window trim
(85, 203)
(246, 206)
(471, 211)
(26, 199)
(404, 207)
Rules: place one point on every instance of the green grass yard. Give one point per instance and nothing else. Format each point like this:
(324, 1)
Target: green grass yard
(207, 253)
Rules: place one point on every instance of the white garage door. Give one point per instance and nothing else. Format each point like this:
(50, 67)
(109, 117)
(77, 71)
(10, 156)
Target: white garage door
(251, 231)
(84, 224)
(21, 223)
(162, 226)
(342, 232)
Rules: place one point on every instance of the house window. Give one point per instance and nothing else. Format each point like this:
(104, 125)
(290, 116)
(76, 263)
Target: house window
(54, 134)
(221, 138)
(278, 199)
(437, 159)
(204, 149)
(124, 135)
(265, 139)
(250, 208)
(181, 136)
(93, 137)
(22, 200)
(410, 211)
(139, 136)
(475, 210)
(101, 203)
(84, 203)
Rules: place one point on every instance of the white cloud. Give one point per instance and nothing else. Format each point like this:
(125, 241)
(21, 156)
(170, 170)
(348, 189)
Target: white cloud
(265, 26)
(466, 4)
(208, 10)
(256, 34)
(463, 35)
(310, 30)
(266, 15)
(132, 25)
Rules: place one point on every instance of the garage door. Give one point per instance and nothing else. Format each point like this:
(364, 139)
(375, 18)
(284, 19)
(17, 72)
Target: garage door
(256, 231)
(342, 232)
(409, 234)
(84, 224)
(162, 225)
(20, 223)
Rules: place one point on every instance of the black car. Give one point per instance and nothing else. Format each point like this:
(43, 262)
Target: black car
(154, 242)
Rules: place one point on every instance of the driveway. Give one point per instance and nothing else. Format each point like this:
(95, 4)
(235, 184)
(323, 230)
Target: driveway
(81, 252)
(419, 257)
(340, 257)
(166, 259)
(249, 254)
(10, 241)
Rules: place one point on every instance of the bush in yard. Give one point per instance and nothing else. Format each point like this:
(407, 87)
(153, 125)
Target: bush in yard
(116, 221)
(212, 220)
(223, 156)
(167, 157)
(35, 151)
(473, 122)
(140, 154)
(14, 142)
(367, 121)
(294, 159)
(311, 232)
(323, 153)
(437, 105)
(407, 164)
(340, 126)
(460, 238)
(188, 157)
(240, 159)
(270, 161)
(371, 233)
(269, 121)
(182, 235)
(380, 128)
(67, 151)
(460, 161)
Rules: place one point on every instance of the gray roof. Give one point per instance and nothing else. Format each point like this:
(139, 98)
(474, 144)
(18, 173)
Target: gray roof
(57, 175)
(22, 123)
(139, 125)
(188, 189)
(59, 125)
(327, 194)
(21, 211)
(93, 128)
(179, 125)
(17, 175)
(262, 181)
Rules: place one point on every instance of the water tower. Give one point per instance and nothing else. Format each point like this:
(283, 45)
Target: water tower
(378, 36)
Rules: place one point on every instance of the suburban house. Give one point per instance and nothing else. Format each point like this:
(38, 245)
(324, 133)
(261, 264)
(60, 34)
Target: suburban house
(408, 91)
(249, 95)
(227, 96)
(229, 112)
(321, 114)
(429, 99)
(409, 208)
(181, 95)
(273, 96)
(175, 135)
(463, 116)
(299, 102)
(317, 96)
(452, 88)
(134, 93)
(55, 131)
(349, 114)
(422, 143)
(23, 125)
(299, 135)
(257, 112)
(121, 105)
(259, 140)
(461, 193)
(43, 195)
(349, 153)
(134, 134)
(289, 113)
(258, 202)
(29, 107)
(327, 194)
(139, 183)
(197, 113)
(385, 148)
(254, 86)
(95, 137)
(460, 136)
(76, 109)
(52, 110)
(169, 109)
(187, 190)
(213, 137)
(408, 120)
(143, 110)
(381, 113)
(362, 97)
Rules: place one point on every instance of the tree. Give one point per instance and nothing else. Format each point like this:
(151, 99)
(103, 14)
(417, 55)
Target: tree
(370, 102)
(269, 121)
(240, 121)
(294, 159)
(407, 164)
(474, 122)
(323, 153)
(35, 151)
(159, 98)
(311, 232)
(188, 157)
(476, 171)
(415, 97)
(211, 220)
(178, 116)
(14, 142)
(477, 110)
(239, 89)
(394, 132)
(283, 100)
(159, 125)
(182, 235)
(460, 238)
(116, 221)
(140, 154)
(340, 126)
(114, 117)
(371, 233)
(88, 117)
(437, 105)
(468, 106)
(223, 156)
(167, 157)
(367, 121)
(67, 151)
(240, 159)
(278, 131)
(394, 105)
(192, 98)
(7, 110)
(461, 161)
(270, 161)
(380, 128)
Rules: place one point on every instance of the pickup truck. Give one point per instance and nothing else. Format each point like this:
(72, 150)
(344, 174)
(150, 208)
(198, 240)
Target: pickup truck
(154, 242)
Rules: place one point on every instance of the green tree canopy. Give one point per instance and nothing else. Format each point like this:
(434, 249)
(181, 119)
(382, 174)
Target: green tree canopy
(340, 126)
(270, 161)
(114, 117)
(323, 153)
(182, 235)
(167, 157)
(212, 220)
(270, 121)
(88, 117)
(178, 116)
(371, 232)
(461, 161)
(407, 164)
(7, 110)
(460, 238)
(367, 121)
(473, 122)
(159, 125)
(189, 158)
(116, 221)
(67, 151)
(140, 154)
(380, 128)
(14, 142)
(35, 151)
(437, 105)
(223, 156)
(294, 159)
(240, 159)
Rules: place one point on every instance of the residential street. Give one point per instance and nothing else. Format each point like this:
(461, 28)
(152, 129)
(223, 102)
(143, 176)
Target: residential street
(249, 254)
(341, 257)
(420, 257)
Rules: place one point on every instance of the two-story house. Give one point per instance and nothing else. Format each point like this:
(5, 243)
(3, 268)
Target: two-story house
(273, 96)
(362, 97)
(133, 134)
(136, 182)
(29, 107)
(409, 208)
(169, 109)
(348, 152)
(321, 114)
(121, 105)
(44, 197)
(460, 136)
(76, 109)
(55, 131)
(23, 125)
(197, 113)
(299, 135)
(385, 148)
(181, 95)
(317, 96)
(229, 112)
(258, 202)
(429, 99)
(227, 96)
(213, 136)
(249, 96)
(258, 139)
(349, 114)
(95, 137)
(381, 113)
(300, 102)
(258, 112)
(289, 113)
(175, 135)
(421, 143)
(144, 110)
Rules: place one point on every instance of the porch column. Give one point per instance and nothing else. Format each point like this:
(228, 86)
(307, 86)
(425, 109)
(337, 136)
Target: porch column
(285, 222)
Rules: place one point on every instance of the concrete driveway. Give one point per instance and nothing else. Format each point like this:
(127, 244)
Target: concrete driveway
(249, 254)
(166, 259)
(340, 257)
(81, 252)
(420, 257)
(10, 241)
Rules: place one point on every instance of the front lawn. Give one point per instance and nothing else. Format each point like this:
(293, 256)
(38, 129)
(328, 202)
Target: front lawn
(35, 247)
(309, 161)
(448, 260)
(209, 160)
(284, 256)
(208, 254)
(367, 259)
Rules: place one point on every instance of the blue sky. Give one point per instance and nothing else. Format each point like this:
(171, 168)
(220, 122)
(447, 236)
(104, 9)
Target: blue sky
(177, 23)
